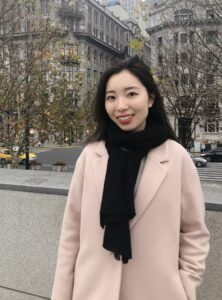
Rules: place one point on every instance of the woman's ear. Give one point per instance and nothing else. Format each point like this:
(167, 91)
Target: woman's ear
(151, 100)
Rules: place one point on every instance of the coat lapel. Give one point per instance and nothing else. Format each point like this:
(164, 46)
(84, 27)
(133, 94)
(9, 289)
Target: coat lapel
(99, 166)
(153, 175)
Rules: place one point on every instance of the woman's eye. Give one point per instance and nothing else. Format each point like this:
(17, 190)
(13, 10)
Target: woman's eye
(132, 94)
(110, 98)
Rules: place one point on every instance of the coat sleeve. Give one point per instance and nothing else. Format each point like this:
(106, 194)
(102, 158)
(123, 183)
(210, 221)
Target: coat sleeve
(69, 238)
(194, 236)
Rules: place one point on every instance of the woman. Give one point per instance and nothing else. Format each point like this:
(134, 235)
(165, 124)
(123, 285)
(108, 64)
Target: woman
(133, 227)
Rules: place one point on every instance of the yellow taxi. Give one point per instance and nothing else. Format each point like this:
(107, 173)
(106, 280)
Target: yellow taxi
(6, 156)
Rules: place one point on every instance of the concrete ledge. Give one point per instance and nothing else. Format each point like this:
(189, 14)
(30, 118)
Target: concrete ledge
(8, 293)
(35, 181)
(29, 228)
(33, 189)
(213, 207)
(57, 183)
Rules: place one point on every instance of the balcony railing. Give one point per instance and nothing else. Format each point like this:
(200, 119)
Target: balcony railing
(70, 59)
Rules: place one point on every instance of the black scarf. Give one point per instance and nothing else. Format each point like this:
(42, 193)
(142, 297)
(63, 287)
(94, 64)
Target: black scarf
(126, 150)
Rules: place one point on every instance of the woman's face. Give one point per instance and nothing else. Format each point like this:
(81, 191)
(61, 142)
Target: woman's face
(127, 101)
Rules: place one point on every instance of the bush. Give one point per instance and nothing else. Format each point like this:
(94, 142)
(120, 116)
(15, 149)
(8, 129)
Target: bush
(59, 163)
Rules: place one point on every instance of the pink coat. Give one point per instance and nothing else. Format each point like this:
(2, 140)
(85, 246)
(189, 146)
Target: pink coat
(169, 237)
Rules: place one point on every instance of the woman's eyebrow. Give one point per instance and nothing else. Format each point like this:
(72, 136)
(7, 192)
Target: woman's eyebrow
(125, 89)
(110, 91)
(131, 87)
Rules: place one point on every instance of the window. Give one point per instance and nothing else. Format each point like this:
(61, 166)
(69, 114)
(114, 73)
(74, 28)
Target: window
(191, 37)
(89, 28)
(107, 25)
(88, 54)
(160, 59)
(28, 8)
(183, 38)
(88, 76)
(28, 26)
(210, 14)
(176, 58)
(95, 32)
(211, 125)
(102, 21)
(213, 111)
(176, 82)
(76, 49)
(68, 72)
(112, 29)
(176, 38)
(184, 101)
(107, 61)
(183, 15)
(160, 41)
(184, 57)
(118, 33)
(95, 79)
(102, 36)
(101, 60)
(211, 37)
(95, 57)
(89, 13)
(68, 49)
(209, 79)
(184, 79)
(44, 7)
(209, 57)
(95, 17)
(71, 97)
(18, 26)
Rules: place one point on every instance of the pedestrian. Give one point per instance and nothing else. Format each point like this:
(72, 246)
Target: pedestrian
(203, 147)
(133, 226)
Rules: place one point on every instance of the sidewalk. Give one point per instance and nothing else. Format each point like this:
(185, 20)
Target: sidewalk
(49, 146)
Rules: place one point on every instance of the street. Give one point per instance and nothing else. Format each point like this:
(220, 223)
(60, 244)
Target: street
(69, 155)
(213, 172)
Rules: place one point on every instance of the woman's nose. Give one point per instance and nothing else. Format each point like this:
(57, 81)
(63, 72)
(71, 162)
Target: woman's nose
(122, 104)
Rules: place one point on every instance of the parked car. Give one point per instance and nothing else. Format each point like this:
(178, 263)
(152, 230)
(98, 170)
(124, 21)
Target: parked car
(2, 145)
(199, 161)
(6, 156)
(213, 155)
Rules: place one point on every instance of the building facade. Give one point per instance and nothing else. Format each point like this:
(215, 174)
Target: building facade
(84, 37)
(184, 45)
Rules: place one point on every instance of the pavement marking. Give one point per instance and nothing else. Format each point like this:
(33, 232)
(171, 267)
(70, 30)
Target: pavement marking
(213, 172)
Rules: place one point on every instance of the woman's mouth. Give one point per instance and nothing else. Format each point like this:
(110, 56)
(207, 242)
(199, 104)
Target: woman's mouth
(125, 119)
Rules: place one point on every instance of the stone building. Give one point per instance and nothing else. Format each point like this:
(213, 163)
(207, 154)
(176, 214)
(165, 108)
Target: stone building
(89, 38)
(189, 32)
(94, 34)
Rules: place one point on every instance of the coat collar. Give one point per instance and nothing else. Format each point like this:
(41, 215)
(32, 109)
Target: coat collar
(154, 172)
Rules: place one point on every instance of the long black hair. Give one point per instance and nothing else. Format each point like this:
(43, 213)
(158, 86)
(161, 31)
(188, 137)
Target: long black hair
(139, 69)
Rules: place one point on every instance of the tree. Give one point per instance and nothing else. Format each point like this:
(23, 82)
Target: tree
(185, 75)
(24, 66)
